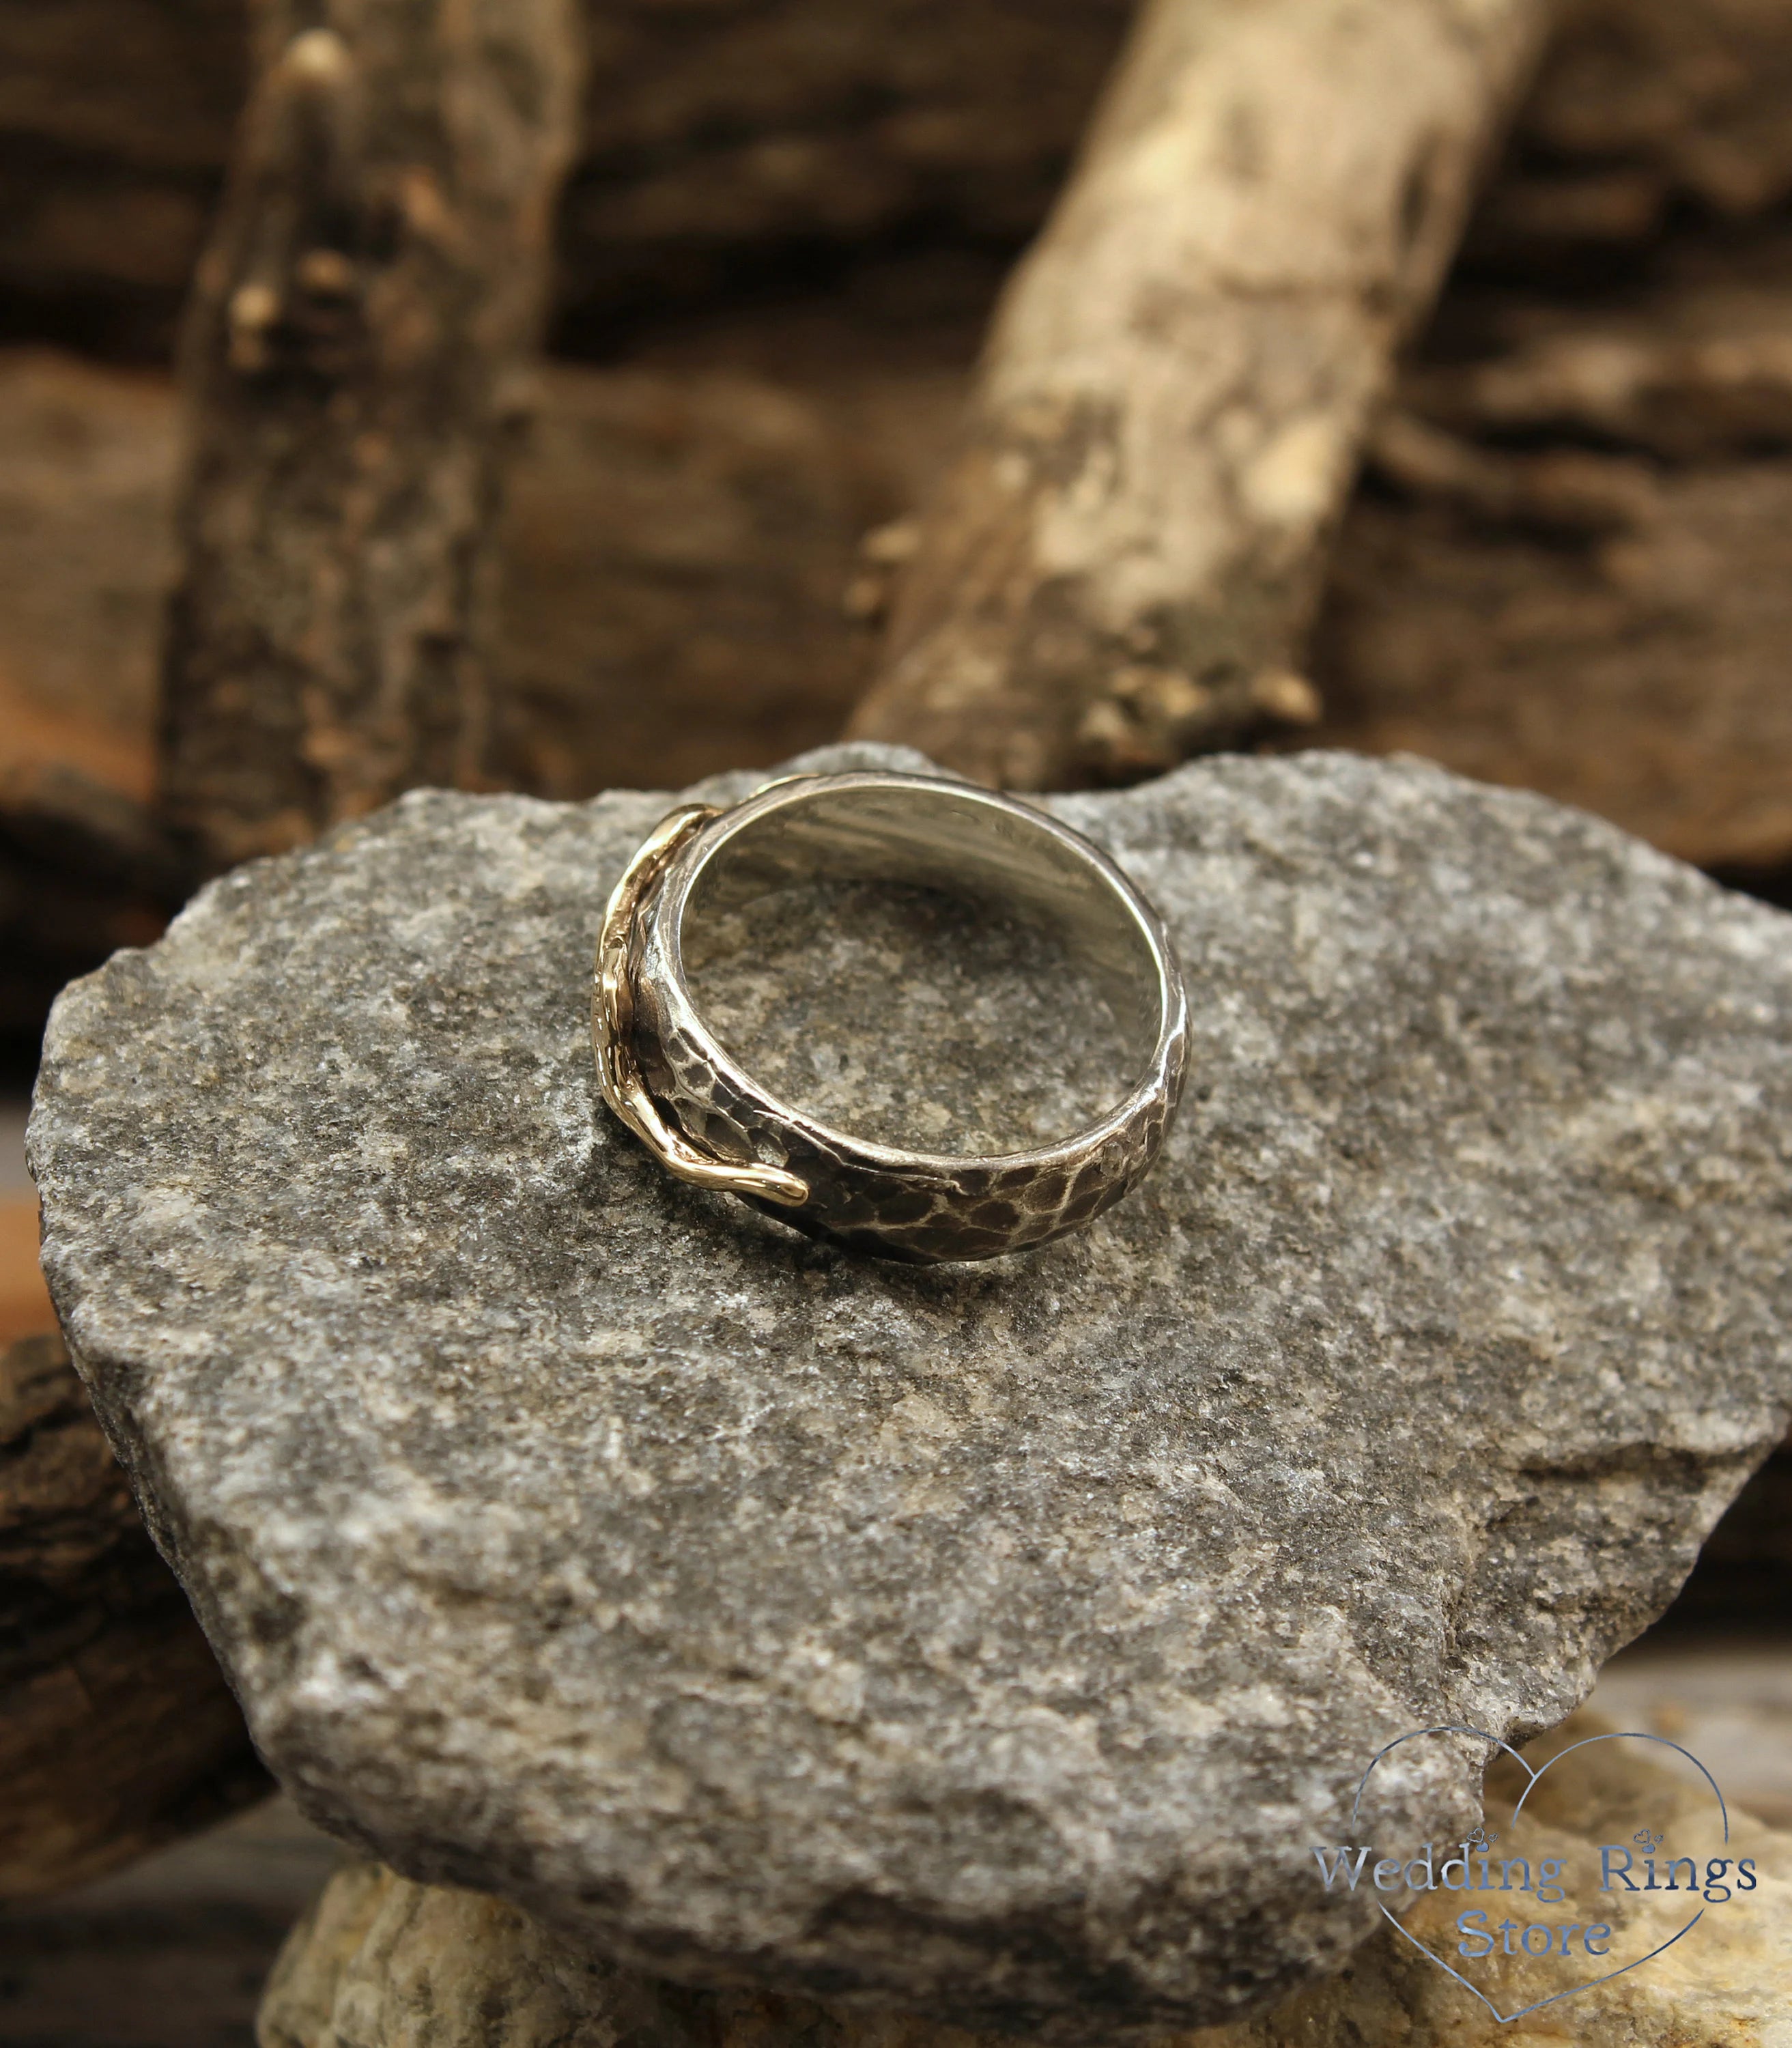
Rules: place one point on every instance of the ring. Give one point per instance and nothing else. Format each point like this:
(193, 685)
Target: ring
(664, 1075)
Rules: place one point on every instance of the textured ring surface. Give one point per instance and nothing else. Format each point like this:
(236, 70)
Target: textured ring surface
(663, 1073)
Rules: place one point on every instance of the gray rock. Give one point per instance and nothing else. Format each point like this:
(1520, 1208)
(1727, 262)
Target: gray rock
(994, 1641)
(382, 1962)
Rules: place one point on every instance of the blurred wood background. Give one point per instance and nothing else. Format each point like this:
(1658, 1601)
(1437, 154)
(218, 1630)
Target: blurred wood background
(776, 252)
(1563, 566)
(787, 221)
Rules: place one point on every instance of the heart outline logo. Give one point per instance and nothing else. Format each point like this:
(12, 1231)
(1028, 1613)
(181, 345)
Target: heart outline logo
(1532, 1778)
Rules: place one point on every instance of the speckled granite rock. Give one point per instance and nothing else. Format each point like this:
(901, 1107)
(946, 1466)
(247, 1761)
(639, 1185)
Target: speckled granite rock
(992, 1642)
(379, 1961)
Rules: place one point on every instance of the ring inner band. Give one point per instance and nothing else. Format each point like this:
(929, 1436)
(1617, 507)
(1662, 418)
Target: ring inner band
(942, 840)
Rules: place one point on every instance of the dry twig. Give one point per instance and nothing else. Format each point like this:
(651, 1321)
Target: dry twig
(353, 352)
(1124, 559)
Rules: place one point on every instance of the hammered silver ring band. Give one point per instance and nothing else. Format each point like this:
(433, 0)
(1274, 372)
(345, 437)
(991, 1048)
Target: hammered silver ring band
(663, 1073)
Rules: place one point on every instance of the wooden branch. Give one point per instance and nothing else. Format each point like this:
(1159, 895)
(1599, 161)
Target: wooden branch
(1123, 562)
(117, 1730)
(350, 367)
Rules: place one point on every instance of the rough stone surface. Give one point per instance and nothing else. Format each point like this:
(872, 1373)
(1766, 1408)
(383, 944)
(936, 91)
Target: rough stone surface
(777, 977)
(989, 1642)
(378, 1960)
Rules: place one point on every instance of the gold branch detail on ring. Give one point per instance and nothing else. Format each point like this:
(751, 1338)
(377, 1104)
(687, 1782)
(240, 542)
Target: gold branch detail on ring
(618, 1072)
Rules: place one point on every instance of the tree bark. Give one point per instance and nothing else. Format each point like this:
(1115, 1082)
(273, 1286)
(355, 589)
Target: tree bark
(1565, 569)
(117, 1730)
(351, 369)
(1124, 559)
